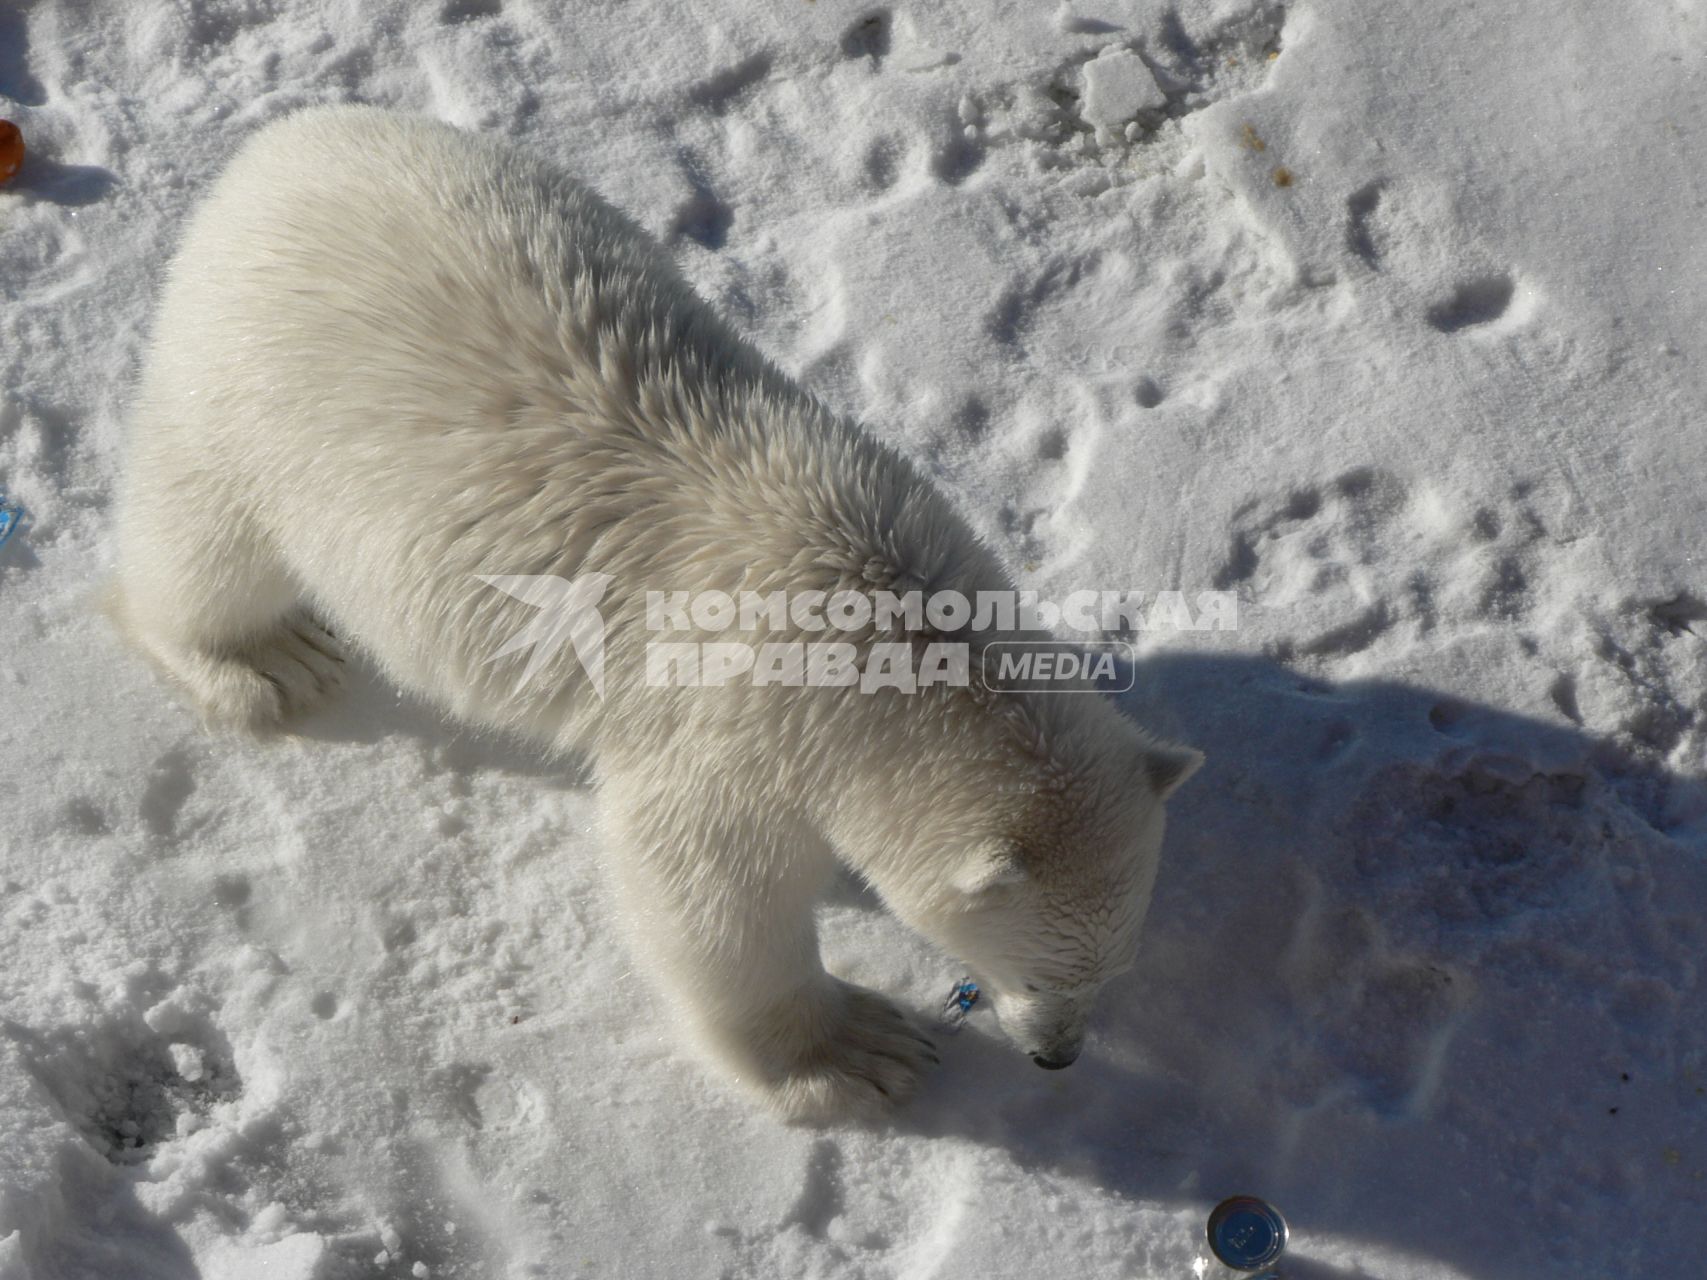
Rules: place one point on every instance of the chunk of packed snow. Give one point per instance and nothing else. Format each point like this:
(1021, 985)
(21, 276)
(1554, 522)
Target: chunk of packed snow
(1117, 86)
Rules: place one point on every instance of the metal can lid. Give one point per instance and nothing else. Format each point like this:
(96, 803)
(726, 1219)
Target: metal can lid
(1246, 1233)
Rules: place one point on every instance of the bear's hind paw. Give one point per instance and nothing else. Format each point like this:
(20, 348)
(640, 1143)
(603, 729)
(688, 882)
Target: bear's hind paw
(261, 683)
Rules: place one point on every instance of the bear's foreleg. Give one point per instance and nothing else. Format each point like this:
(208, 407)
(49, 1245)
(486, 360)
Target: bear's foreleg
(719, 904)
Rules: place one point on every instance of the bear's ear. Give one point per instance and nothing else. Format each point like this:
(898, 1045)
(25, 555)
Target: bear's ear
(989, 867)
(1167, 767)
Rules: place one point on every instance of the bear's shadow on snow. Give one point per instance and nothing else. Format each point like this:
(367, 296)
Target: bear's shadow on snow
(370, 709)
(1328, 950)
(1330, 956)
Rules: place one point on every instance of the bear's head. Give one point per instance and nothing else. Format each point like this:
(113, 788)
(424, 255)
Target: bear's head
(1031, 857)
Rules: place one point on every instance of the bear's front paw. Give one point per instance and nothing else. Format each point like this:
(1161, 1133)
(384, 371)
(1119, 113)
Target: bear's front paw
(855, 1054)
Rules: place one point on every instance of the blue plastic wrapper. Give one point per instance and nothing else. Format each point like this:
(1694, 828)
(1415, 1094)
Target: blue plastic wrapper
(960, 1003)
(11, 516)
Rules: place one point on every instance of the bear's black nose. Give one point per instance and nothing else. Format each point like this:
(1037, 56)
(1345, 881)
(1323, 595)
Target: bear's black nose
(1053, 1064)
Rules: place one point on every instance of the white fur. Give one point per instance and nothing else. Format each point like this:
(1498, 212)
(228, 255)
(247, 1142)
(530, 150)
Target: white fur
(392, 357)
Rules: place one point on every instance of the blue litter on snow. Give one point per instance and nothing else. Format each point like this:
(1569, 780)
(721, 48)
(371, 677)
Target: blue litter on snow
(11, 516)
(960, 1003)
(1247, 1234)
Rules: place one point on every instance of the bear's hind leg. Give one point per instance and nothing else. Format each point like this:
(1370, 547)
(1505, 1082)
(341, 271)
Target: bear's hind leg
(202, 594)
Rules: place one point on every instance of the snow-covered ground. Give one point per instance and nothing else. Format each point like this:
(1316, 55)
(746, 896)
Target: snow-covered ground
(1389, 317)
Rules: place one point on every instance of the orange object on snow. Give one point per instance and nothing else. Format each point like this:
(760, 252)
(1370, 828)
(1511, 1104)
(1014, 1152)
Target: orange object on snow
(11, 149)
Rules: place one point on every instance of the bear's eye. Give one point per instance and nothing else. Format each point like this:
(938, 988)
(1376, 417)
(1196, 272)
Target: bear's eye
(1031, 987)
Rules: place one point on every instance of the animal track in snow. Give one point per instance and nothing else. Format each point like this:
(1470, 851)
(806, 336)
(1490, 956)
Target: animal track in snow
(124, 1085)
(956, 159)
(1395, 230)
(459, 11)
(1019, 304)
(1361, 233)
(972, 418)
(703, 217)
(1678, 614)
(1042, 465)
(1643, 680)
(1369, 554)
(822, 1198)
(1474, 302)
(171, 782)
(85, 817)
(836, 1225)
(216, 22)
(1275, 539)
(719, 92)
(1020, 526)
(1353, 636)
(869, 37)
(1378, 1020)
(232, 891)
(459, 1085)
(1481, 841)
(882, 157)
(1479, 856)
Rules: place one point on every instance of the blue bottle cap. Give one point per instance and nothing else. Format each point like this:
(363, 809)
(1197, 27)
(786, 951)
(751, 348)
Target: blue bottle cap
(1246, 1233)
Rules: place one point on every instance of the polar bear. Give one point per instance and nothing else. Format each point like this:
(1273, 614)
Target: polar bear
(393, 359)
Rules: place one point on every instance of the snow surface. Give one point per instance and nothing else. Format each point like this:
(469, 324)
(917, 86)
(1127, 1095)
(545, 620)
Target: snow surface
(1390, 319)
